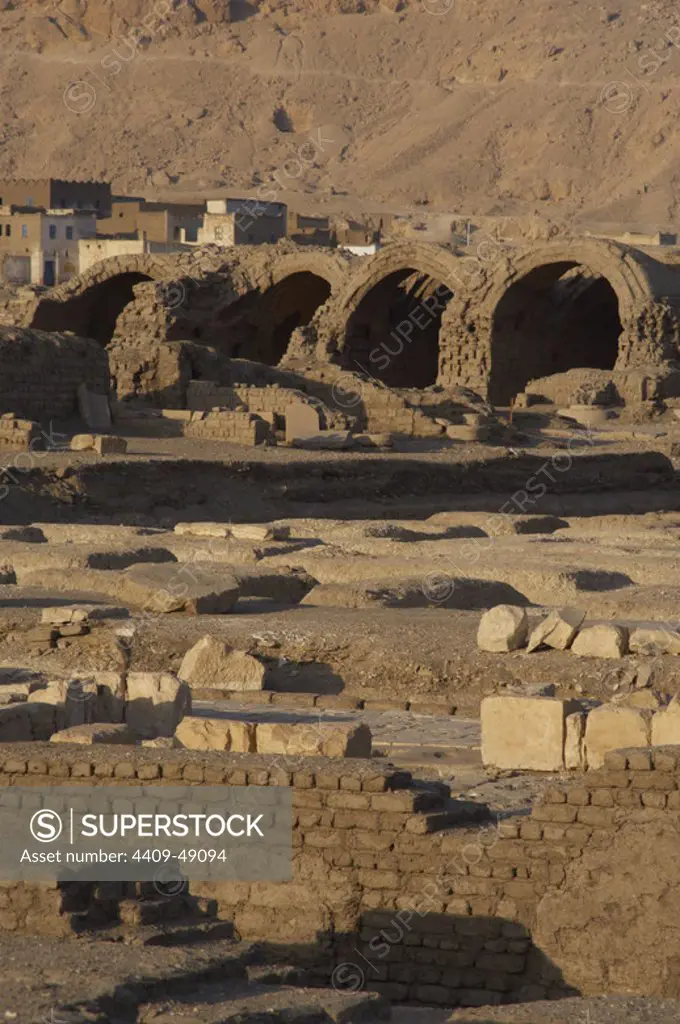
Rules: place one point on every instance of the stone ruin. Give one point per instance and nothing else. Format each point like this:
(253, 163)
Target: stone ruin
(415, 316)
(458, 659)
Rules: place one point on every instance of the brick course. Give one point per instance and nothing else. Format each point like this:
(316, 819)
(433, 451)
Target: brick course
(387, 874)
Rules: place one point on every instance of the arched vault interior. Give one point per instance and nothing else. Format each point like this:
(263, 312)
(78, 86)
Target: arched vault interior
(93, 313)
(258, 326)
(393, 334)
(555, 318)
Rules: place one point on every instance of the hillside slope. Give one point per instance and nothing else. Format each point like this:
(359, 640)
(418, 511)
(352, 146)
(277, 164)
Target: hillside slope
(532, 106)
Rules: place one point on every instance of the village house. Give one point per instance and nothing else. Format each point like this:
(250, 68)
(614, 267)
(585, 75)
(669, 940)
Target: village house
(40, 246)
(230, 222)
(166, 224)
(56, 194)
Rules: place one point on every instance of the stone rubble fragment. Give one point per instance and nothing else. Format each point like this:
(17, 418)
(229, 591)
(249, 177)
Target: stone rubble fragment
(503, 628)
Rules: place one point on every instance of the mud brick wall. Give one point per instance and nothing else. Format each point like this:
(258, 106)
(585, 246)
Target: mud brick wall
(158, 374)
(206, 395)
(238, 427)
(271, 401)
(22, 435)
(41, 373)
(390, 877)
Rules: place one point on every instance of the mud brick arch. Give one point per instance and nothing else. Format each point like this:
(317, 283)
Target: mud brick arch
(254, 314)
(246, 301)
(90, 303)
(578, 303)
(386, 320)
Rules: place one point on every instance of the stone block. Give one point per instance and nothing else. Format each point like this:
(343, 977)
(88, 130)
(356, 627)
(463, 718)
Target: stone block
(220, 530)
(606, 641)
(156, 703)
(256, 532)
(75, 700)
(503, 628)
(82, 442)
(65, 615)
(179, 415)
(324, 440)
(211, 664)
(654, 641)
(525, 732)
(613, 727)
(467, 432)
(301, 420)
(162, 743)
(557, 630)
(666, 725)
(575, 730)
(313, 739)
(94, 409)
(194, 733)
(87, 735)
(108, 444)
(198, 589)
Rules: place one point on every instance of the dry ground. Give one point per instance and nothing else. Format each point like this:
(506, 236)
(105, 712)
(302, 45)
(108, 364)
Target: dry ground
(500, 111)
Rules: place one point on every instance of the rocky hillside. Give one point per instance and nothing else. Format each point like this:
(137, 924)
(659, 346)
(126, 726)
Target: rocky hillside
(565, 109)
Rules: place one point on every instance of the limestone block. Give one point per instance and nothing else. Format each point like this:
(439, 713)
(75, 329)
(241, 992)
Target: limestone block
(242, 671)
(211, 664)
(198, 589)
(75, 700)
(204, 529)
(156, 703)
(64, 615)
(612, 727)
(255, 532)
(575, 730)
(325, 440)
(601, 642)
(654, 641)
(94, 408)
(467, 432)
(108, 444)
(82, 442)
(301, 420)
(666, 725)
(111, 695)
(203, 663)
(503, 628)
(557, 630)
(525, 732)
(313, 739)
(194, 733)
(181, 415)
(87, 735)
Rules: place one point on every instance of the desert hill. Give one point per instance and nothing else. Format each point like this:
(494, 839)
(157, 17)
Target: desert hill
(565, 108)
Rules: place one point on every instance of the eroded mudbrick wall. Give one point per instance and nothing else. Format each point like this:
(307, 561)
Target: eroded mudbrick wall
(391, 878)
(505, 317)
(41, 372)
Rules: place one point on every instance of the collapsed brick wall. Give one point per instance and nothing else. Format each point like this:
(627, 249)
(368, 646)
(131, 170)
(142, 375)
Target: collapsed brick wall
(41, 372)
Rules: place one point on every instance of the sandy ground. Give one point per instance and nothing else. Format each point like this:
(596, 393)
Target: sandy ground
(476, 111)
